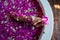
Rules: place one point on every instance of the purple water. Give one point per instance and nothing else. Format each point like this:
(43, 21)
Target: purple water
(10, 29)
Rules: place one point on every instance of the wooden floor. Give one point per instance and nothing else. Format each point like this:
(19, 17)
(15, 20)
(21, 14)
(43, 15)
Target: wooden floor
(56, 32)
(56, 13)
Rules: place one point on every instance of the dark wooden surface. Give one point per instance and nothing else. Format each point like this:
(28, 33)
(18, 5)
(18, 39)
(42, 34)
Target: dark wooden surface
(56, 13)
(56, 32)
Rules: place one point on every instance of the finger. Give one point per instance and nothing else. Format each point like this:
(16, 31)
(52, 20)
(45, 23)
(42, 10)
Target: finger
(38, 21)
(39, 25)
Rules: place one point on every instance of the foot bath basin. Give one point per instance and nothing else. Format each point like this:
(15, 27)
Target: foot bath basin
(11, 29)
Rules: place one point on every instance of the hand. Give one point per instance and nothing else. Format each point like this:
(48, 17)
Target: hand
(34, 20)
